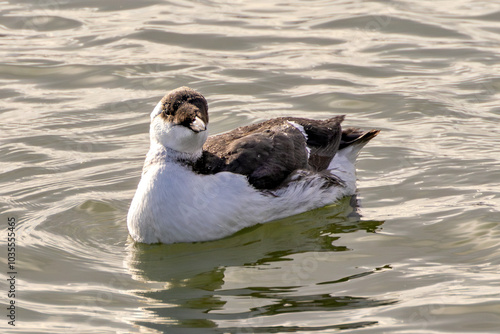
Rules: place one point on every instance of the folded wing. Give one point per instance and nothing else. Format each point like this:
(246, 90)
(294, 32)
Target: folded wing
(268, 152)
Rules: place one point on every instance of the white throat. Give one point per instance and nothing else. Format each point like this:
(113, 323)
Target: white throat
(177, 137)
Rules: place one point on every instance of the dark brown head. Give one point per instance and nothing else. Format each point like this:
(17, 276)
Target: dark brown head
(180, 120)
(181, 107)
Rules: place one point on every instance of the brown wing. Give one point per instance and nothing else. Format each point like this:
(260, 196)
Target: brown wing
(265, 153)
(268, 152)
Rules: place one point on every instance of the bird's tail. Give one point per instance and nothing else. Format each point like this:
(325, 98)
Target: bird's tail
(353, 140)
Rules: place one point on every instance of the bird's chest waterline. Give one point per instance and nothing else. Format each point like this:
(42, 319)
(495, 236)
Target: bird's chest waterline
(175, 202)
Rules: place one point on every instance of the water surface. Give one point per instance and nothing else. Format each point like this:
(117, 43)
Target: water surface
(416, 251)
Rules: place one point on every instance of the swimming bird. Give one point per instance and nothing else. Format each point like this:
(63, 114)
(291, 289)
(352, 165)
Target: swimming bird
(198, 188)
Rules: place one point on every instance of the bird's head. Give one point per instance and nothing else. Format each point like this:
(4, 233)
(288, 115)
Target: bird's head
(179, 121)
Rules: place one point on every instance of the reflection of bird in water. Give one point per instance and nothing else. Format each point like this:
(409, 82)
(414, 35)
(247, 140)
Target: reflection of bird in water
(194, 189)
(198, 280)
(314, 231)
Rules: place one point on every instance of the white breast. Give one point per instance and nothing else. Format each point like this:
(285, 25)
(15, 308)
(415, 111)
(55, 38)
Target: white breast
(173, 204)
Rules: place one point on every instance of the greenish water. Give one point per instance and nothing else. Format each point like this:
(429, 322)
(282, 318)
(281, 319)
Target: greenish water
(416, 251)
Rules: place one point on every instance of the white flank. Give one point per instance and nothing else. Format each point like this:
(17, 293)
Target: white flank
(173, 204)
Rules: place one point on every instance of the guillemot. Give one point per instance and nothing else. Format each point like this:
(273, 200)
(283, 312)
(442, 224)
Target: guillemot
(198, 188)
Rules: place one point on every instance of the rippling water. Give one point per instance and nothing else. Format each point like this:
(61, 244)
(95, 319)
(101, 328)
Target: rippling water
(421, 253)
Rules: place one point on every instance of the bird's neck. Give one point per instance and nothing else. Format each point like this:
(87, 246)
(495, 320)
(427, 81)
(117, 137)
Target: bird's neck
(160, 154)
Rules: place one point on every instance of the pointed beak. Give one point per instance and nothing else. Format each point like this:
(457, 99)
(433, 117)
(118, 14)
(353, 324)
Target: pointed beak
(198, 125)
